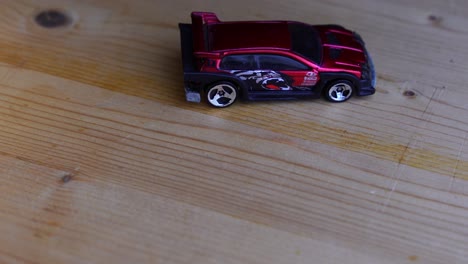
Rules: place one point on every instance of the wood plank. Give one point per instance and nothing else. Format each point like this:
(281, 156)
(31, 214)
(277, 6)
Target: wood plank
(102, 161)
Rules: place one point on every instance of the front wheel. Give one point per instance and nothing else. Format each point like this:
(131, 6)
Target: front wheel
(339, 91)
(221, 94)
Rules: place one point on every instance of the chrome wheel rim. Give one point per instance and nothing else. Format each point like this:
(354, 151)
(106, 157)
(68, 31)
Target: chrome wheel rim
(340, 92)
(222, 95)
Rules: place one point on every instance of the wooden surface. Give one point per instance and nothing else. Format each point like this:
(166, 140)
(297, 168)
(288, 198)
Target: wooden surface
(102, 160)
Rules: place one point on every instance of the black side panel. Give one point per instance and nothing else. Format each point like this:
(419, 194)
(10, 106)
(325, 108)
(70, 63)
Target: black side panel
(186, 43)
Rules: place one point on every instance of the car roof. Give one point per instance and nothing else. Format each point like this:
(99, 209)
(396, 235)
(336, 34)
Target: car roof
(247, 35)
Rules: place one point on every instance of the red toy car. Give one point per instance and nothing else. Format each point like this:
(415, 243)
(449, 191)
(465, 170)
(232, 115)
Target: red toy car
(266, 60)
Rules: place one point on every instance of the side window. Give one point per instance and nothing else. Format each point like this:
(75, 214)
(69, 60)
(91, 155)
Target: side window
(237, 62)
(280, 63)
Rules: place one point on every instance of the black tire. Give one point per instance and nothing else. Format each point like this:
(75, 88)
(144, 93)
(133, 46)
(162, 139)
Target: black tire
(221, 94)
(339, 91)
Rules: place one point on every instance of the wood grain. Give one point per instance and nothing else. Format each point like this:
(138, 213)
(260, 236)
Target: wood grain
(102, 160)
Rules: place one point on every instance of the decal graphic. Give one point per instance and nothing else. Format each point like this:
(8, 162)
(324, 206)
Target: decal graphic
(268, 80)
(310, 79)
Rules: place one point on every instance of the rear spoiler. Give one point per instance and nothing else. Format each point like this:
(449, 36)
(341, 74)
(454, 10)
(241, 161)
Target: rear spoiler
(200, 20)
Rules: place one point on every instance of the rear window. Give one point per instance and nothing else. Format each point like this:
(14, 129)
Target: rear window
(305, 41)
(237, 62)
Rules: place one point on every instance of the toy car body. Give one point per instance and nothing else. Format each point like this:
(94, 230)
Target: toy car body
(268, 60)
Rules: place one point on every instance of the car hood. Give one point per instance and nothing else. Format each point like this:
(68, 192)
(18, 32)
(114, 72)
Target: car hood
(340, 48)
(341, 57)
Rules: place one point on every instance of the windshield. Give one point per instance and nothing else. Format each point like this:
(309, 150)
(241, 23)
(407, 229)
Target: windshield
(305, 41)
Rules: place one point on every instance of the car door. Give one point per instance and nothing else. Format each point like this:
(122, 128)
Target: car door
(244, 66)
(285, 76)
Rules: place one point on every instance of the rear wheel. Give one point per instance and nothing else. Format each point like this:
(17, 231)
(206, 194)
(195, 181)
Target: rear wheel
(221, 94)
(339, 91)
